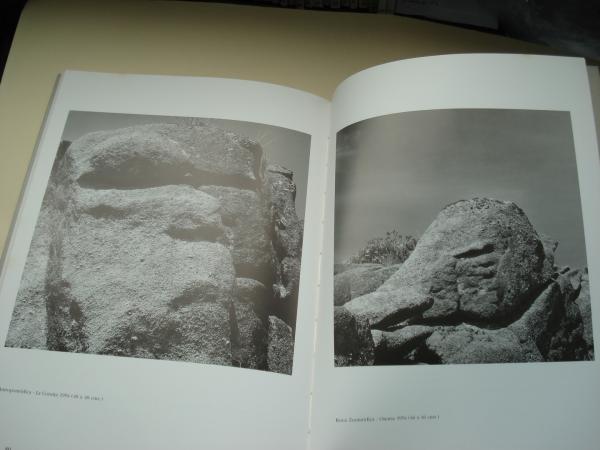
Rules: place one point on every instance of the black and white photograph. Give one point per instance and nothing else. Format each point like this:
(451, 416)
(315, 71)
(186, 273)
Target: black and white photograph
(171, 238)
(459, 240)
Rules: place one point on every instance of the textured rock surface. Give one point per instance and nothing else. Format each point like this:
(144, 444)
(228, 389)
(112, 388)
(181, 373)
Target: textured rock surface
(280, 347)
(28, 327)
(386, 308)
(248, 337)
(468, 344)
(353, 342)
(249, 290)
(585, 309)
(480, 258)
(359, 279)
(287, 239)
(537, 323)
(245, 216)
(480, 287)
(567, 340)
(162, 154)
(164, 241)
(393, 346)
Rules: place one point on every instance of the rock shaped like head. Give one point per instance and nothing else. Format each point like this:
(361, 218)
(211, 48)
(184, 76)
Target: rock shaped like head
(479, 261)
(143, 262)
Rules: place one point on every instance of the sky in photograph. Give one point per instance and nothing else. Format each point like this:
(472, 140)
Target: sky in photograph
(397, 172)
(282, 146)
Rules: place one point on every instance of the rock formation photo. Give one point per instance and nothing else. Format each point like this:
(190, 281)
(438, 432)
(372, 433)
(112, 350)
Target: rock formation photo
(480, 286)
(175, 241)
(459, 239)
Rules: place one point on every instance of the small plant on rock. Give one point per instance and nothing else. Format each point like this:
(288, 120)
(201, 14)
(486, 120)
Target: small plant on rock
(393, 248)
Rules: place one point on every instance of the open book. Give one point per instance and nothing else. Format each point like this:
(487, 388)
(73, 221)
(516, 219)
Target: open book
(216, 263)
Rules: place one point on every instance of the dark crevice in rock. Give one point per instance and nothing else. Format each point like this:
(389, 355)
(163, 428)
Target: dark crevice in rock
(257, 151)
(286, 311)
(141, 174)
(227, 219)
(543, 342)
(285, 234)
(263, 311)
(523, 303)
(247, 270)
(456, 318)
(236, 347)
(487, 275)
(473, 253)
(563, 339)
(424, 355)
(459, 317)
(75, 312)
(198, 233)
(404, 323)
(273, 305)
(387, 358)
(540, 254)
(393, 320)
(487, 264)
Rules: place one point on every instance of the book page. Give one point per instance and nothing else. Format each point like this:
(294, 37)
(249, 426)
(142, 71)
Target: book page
(159, 286)
(461, 273)
(594, 78)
